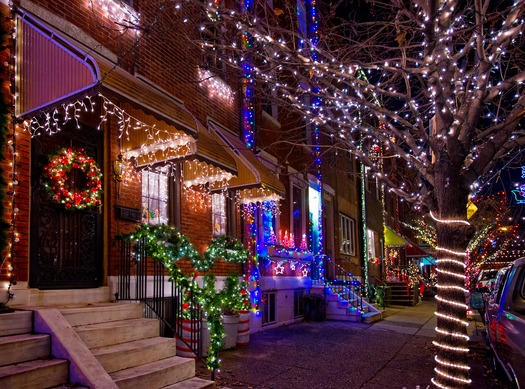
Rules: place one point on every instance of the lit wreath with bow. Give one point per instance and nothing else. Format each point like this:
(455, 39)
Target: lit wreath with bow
(63, 190)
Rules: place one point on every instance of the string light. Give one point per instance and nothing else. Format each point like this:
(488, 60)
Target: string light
(458, 253)
(445, 363)
(216, 87)
(122, 14)
(449, 221)
(457, 379)
(453, 334)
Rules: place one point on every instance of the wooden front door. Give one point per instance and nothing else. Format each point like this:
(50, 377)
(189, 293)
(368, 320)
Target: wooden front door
(66, 245)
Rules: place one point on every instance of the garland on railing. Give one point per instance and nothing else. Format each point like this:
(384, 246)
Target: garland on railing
(167, 245)
(227, 248)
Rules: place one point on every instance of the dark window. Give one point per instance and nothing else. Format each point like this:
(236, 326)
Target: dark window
(298, 303)
(269, 308)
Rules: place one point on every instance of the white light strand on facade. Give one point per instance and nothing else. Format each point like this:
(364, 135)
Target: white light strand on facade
(120, 13)
(178, 146)
(52, 122)
(200, 173)
(216, 87)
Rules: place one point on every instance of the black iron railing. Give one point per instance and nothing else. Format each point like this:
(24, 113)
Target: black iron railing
(142, 279)
(346, 286)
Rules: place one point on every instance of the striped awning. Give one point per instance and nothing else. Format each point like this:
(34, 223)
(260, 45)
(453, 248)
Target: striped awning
(52, 71)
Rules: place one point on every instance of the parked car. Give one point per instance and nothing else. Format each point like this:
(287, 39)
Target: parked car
(505, 320)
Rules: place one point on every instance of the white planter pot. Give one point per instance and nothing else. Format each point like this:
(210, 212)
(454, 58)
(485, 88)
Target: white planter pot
(231, 324)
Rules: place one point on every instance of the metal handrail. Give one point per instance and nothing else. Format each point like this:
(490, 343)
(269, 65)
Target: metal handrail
(142, 279)
(346, 286)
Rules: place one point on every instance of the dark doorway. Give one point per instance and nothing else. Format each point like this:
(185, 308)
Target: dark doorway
(66, 245)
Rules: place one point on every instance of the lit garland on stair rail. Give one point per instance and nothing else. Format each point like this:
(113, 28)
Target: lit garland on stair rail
(167, 245)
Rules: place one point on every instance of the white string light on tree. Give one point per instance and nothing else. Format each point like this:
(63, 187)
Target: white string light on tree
(450, 266)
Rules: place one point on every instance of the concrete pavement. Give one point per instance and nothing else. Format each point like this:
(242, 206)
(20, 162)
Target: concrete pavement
(396, 352)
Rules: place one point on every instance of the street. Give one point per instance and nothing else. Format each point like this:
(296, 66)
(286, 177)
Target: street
(396, 352)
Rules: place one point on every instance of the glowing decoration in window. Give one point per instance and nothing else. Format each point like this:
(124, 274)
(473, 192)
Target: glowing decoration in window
(268, 222)
(371, 237)
(154, 198)
(218, 211)
(314, 203)
(297, 216)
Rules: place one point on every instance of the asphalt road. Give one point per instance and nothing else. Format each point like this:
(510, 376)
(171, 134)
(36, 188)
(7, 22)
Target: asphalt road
(396, 352)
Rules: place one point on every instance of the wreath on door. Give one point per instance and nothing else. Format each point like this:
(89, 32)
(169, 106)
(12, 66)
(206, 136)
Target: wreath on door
(73, 180)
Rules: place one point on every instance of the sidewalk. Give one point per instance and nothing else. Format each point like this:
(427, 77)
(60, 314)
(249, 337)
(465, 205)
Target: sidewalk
(396, 352)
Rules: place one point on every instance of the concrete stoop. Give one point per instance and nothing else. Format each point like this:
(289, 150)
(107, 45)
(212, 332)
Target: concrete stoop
(340, 309)
(106, 346)
(25, 358)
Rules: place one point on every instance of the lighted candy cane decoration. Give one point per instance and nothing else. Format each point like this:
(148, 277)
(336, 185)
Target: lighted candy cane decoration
(455, 269)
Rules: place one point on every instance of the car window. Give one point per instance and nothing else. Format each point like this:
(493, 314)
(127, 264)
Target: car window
(500, 282)
(489, 275)
(518, 296)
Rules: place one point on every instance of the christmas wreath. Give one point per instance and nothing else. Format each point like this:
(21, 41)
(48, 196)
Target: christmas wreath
(73, 180)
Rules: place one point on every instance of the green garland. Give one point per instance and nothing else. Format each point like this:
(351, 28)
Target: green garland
(234, 296)
(164, 243)
(167, 245)
(227, 248)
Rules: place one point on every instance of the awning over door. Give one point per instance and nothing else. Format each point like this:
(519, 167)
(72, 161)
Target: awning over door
(413, 250)
(254, 180)
(209, 163)
(51, 71)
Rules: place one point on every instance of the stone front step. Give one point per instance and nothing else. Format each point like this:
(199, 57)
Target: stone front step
(15, 323)
(193, 383)
(355, 318)
(124, 355)
(36, 374)
(102, 313)
(156, 374)
(371, 317)
(130, 349)
(23, 348)
(115, 332)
